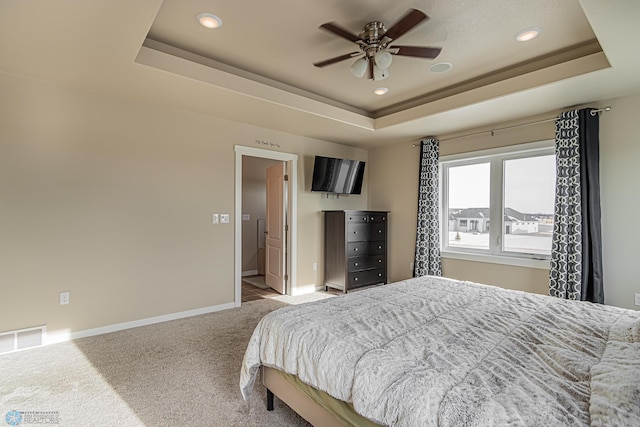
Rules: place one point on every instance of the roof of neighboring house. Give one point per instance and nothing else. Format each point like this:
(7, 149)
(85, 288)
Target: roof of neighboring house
(479, 213)
(484, 213)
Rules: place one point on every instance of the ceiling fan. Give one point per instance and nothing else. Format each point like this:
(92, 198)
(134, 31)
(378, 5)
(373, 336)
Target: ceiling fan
(375, 52)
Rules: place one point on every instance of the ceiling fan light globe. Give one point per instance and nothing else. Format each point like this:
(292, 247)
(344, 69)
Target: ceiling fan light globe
(380, 73)
(359, 68)
(383, 59)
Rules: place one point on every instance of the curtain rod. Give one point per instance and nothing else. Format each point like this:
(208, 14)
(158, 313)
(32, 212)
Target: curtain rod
(492, 131)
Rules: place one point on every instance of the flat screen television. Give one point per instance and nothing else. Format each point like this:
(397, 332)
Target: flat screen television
(341, 176)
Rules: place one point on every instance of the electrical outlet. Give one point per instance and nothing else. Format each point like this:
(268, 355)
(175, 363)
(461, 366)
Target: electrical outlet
(224, 218)
(637, 299)
(64, 298)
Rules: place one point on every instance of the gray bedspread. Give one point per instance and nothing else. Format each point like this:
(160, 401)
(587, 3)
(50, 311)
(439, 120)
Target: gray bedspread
(437, 352)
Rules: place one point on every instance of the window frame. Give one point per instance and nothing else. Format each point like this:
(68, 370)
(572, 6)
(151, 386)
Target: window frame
(496, 157)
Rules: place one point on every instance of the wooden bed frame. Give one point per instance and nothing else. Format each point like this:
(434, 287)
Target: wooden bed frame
(296, 400)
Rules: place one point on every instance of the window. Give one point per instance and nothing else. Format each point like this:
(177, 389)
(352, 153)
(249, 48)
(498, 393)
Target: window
(499, 202)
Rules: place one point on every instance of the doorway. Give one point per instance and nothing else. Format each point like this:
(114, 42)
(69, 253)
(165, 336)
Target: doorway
(266, 157)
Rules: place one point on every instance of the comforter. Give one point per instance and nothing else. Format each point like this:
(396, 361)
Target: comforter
(438, 352)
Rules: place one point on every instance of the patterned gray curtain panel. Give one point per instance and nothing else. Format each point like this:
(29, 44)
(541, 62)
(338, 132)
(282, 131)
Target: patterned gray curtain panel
(576, 252)
(427, 256)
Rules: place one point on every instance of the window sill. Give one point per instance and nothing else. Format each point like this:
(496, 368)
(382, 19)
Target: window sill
(543, 264)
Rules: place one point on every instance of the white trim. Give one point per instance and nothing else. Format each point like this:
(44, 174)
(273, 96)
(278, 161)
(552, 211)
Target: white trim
(543, 264)
(67, 336)
(250, 273)
(292, 258)
(309, 289)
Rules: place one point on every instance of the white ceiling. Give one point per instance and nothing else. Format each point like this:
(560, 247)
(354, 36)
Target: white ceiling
(257, 68)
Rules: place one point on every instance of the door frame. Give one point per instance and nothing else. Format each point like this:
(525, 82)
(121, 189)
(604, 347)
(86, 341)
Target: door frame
(291, 213)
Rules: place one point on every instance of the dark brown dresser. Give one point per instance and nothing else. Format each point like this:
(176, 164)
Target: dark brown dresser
(355, 249)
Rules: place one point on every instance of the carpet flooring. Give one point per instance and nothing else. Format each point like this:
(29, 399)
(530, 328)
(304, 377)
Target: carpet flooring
(182, 372)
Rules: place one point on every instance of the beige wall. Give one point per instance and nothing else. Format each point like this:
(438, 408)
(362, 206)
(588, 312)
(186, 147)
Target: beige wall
(393, 186)
(394, 176)
(111, 200)
(620, 199)
(310, 207)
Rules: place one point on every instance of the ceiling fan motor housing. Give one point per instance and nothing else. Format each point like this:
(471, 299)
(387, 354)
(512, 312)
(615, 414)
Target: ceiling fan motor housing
(371, 37)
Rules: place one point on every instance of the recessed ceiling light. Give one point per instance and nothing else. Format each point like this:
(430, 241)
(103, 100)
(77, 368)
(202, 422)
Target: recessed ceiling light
(209, 20)
(381, 91)
(527, 34)
(440, 67)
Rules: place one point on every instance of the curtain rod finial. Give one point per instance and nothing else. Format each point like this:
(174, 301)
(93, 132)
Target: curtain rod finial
(600, 110)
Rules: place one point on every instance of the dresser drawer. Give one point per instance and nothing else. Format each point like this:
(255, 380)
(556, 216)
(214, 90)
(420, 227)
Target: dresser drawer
(358, 217)
(364, 262)
(359, 232)
(366, 248)
(367, 277)
(377, 217)
(377, 231)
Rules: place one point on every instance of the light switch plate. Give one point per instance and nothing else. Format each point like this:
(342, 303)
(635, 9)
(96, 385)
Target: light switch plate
(246, 217)
(224, 218)
(214, 218)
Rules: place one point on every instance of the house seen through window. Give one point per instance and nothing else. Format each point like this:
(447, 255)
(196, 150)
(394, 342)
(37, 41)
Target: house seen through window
(499, 203)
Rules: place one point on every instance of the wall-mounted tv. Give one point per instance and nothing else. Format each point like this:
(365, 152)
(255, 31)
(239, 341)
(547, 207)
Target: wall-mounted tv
(341, 176)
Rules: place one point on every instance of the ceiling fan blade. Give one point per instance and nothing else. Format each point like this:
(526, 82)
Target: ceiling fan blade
(410, 20)
(336, 59)
(420, 52)
(339, 31)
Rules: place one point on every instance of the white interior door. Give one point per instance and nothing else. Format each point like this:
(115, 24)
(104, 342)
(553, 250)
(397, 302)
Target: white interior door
(275, 263)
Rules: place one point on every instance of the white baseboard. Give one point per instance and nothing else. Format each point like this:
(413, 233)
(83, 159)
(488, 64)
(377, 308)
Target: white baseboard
(250, 273)
(53, 338)
(308, 289)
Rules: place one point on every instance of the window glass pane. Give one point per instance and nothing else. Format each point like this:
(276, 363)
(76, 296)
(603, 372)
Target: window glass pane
(469, 194)
(529, 191)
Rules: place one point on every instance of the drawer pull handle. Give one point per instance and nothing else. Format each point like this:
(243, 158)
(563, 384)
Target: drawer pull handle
(355, 232)
(379, 247)
(355, 264)
(379, 261)
(379, 231)
(355, 249)
(355, 279)
(379, 274)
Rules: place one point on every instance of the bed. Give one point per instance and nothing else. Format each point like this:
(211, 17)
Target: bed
(432, 351)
